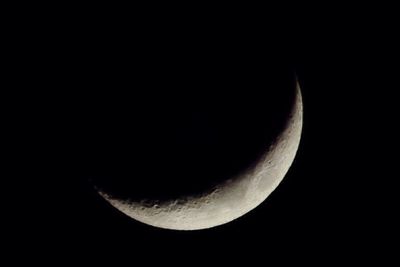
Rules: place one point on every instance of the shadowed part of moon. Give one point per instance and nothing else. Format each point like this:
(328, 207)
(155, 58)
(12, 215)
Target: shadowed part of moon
(206, 167)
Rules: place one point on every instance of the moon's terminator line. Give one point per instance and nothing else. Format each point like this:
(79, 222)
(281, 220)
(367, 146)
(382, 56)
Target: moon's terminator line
(230, 199)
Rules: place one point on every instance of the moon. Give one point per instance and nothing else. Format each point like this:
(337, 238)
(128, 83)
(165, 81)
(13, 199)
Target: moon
(231, 198)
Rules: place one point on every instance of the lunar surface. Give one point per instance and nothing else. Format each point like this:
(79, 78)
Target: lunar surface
(229, 199)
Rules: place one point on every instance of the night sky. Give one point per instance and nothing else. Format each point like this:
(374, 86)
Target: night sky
(145, 104)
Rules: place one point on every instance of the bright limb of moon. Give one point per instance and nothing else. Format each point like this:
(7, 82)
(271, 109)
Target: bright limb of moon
(230, 199)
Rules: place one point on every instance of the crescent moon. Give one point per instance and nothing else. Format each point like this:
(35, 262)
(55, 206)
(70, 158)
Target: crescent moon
(230, 199)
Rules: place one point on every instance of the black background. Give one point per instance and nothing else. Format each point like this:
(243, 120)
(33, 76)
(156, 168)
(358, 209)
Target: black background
(79, 71)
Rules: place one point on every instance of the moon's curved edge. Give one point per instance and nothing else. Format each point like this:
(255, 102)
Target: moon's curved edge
(229, 200)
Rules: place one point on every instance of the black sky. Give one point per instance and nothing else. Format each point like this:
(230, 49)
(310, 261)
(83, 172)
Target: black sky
(95, 86)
